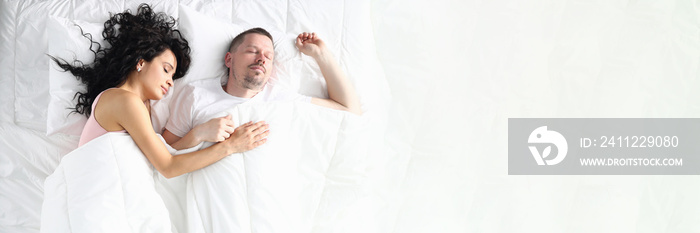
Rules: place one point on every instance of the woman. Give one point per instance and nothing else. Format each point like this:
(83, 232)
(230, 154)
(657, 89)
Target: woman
(144, 55)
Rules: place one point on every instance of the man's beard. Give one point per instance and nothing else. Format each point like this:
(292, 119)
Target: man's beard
(250, 82)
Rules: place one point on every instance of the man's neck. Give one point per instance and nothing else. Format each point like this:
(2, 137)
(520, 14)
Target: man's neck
(240, 92)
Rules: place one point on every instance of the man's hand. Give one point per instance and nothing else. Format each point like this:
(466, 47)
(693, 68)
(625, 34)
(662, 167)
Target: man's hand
(341, 93)
(248, 136)
(310, 44)
(214, 130)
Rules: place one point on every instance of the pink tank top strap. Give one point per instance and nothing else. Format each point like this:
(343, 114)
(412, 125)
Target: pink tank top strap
(92, 128)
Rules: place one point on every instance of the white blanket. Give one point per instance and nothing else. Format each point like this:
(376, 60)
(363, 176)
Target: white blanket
(104, 186)
(305, 176)
(303, 179)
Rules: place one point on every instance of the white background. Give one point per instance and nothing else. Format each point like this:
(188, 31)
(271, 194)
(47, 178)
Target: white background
(459, 69)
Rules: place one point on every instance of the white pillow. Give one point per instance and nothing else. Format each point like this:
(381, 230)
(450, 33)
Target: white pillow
(209, 40)
(68, 43)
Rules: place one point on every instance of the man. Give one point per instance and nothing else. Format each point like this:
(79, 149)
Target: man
(216, 192)
(250, 61)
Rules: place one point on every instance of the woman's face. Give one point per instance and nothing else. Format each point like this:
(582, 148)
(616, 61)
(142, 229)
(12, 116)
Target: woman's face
(158, 75)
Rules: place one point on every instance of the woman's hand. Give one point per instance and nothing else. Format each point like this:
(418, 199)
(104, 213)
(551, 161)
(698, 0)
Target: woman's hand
(214, 130)
(248, 136)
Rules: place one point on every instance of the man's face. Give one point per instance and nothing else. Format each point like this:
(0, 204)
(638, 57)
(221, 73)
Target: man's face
(251, 62)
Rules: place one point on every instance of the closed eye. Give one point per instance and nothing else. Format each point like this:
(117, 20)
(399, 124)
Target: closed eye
(165, 67)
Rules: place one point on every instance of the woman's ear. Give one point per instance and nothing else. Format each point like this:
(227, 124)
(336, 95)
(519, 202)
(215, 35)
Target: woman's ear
(139, 65)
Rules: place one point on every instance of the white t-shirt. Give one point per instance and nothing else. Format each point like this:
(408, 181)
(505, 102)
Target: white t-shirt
(201, 101)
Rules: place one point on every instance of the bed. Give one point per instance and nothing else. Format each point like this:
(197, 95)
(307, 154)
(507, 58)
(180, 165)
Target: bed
(325, 180)
(442, 79)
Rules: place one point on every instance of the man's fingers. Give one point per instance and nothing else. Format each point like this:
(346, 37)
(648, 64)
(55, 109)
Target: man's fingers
(306, 36)
(298, 42)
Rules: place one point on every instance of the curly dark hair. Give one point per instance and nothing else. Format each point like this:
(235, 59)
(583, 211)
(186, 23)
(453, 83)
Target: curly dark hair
(130, 38)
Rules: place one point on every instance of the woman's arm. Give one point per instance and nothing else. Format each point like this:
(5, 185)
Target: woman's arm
(180, 143)
(214, 130)
(131, 114)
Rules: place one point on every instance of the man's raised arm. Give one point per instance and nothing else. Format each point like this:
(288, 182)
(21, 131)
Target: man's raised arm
(341, 92)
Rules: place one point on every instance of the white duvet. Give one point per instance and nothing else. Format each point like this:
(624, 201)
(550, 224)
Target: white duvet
(104, 186)
(310, 169)
(307, 175)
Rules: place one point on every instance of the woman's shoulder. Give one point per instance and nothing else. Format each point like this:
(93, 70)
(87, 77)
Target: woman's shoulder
(116, 106)
(120, 99)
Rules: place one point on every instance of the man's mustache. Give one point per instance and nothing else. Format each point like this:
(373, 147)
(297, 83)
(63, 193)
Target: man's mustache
(260, 64)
